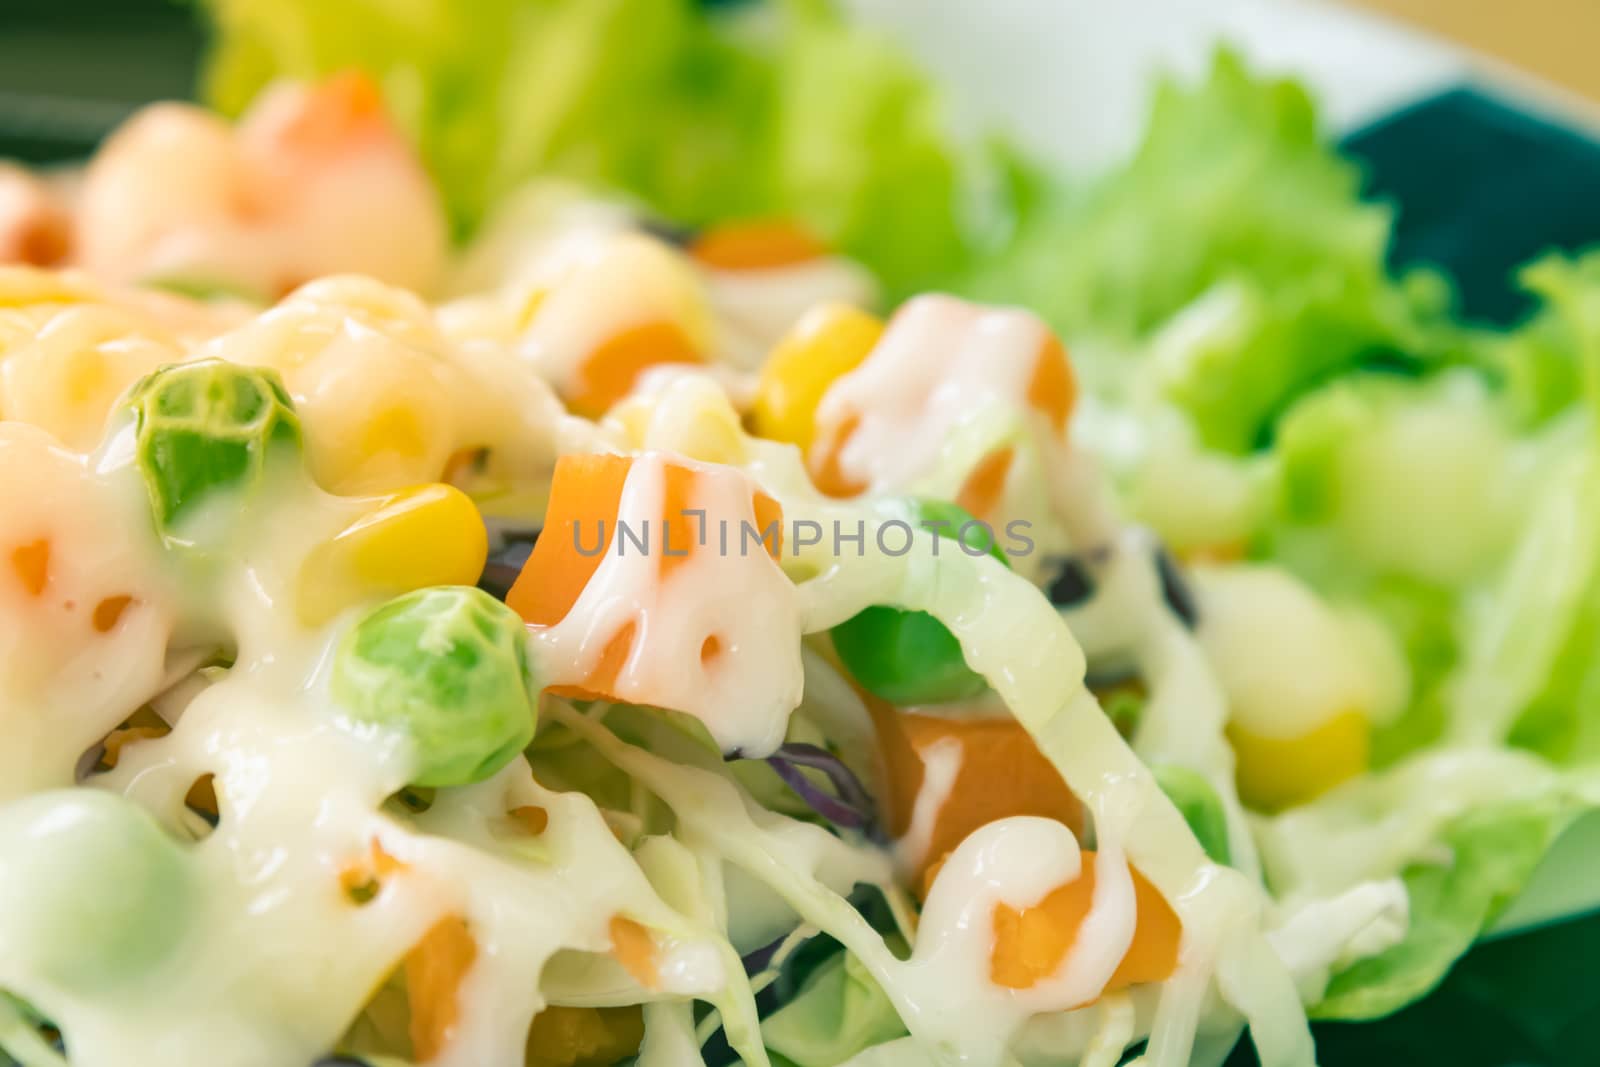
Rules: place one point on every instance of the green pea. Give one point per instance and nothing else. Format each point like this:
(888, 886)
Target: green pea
(448, 668)
(92, 891)
(909, 657)
(1200, 807)
(207, 428)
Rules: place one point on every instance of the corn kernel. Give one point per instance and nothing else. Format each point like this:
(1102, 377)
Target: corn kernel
(695, 418)
(393, 433)
(21, 286)
(827, 343)
(68, 376)
(632, 415)
(430, 535)
(714, 437)
(691, 416)
(1276, 773)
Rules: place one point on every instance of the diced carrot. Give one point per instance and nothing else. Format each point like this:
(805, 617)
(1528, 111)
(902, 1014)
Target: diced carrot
(32, 565)
(109, 611)
(769, 513)
(435, 969)
(710, 649)
(585, 491)
(983, 487)
(635, 949)
(580, 526)
(1031, 944)
(679, 534)
(333, 112)
(1053, 390)
(760, 245)
(601, 681)
(1002, 774)
(610, 371)
(826, 472)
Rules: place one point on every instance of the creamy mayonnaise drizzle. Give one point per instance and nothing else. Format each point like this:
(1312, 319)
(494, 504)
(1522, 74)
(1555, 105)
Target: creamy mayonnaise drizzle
(727, 588)
(923, 380)
(278, 961)
(67, 678)
(941, 766)
(579, 310)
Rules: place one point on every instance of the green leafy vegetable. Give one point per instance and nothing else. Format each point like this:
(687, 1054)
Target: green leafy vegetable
(205, 429)
(1200, 807)
(702, 114)
(1543, 364)
(838, 1012)
(93, 892)
(909, 657)
(1529, 662)
(1371, 454)
(1491, 854)
(1229, 277)
(1235, 212)
(448, 668)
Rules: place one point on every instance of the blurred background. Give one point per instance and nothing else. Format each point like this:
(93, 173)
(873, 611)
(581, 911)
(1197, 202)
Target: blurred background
(1553, 38)
(69, 69)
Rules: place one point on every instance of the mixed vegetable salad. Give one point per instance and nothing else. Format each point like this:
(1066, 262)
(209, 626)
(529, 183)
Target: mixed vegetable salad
(568, 534)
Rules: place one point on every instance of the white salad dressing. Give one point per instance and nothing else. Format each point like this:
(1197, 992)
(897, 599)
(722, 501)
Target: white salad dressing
(726, 590)
(1016, 863)
(923, 381)
(72, 668)
(579, 310)
(941, 766)
(277, 960)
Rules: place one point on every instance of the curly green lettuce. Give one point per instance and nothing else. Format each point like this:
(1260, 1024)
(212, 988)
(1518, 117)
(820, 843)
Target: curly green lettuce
(701, 113)
(1239, 235)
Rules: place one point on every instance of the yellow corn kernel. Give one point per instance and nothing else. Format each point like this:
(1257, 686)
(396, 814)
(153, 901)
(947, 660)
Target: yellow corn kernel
(430, 535)
(68, 376)
(381, 443)
(715, 438)
(21, 286)
(827, 343)
(711, 433)
(631, 415)
(1275, 773)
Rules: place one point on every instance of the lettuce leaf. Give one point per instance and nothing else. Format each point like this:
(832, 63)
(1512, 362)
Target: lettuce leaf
(701, 114)
(1492, 853)
(1235, 212)
(838, 1012)
(1531, 660)
(1542, 364)
(1522, 675)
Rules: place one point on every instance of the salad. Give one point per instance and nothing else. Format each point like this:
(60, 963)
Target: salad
(593, 533)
